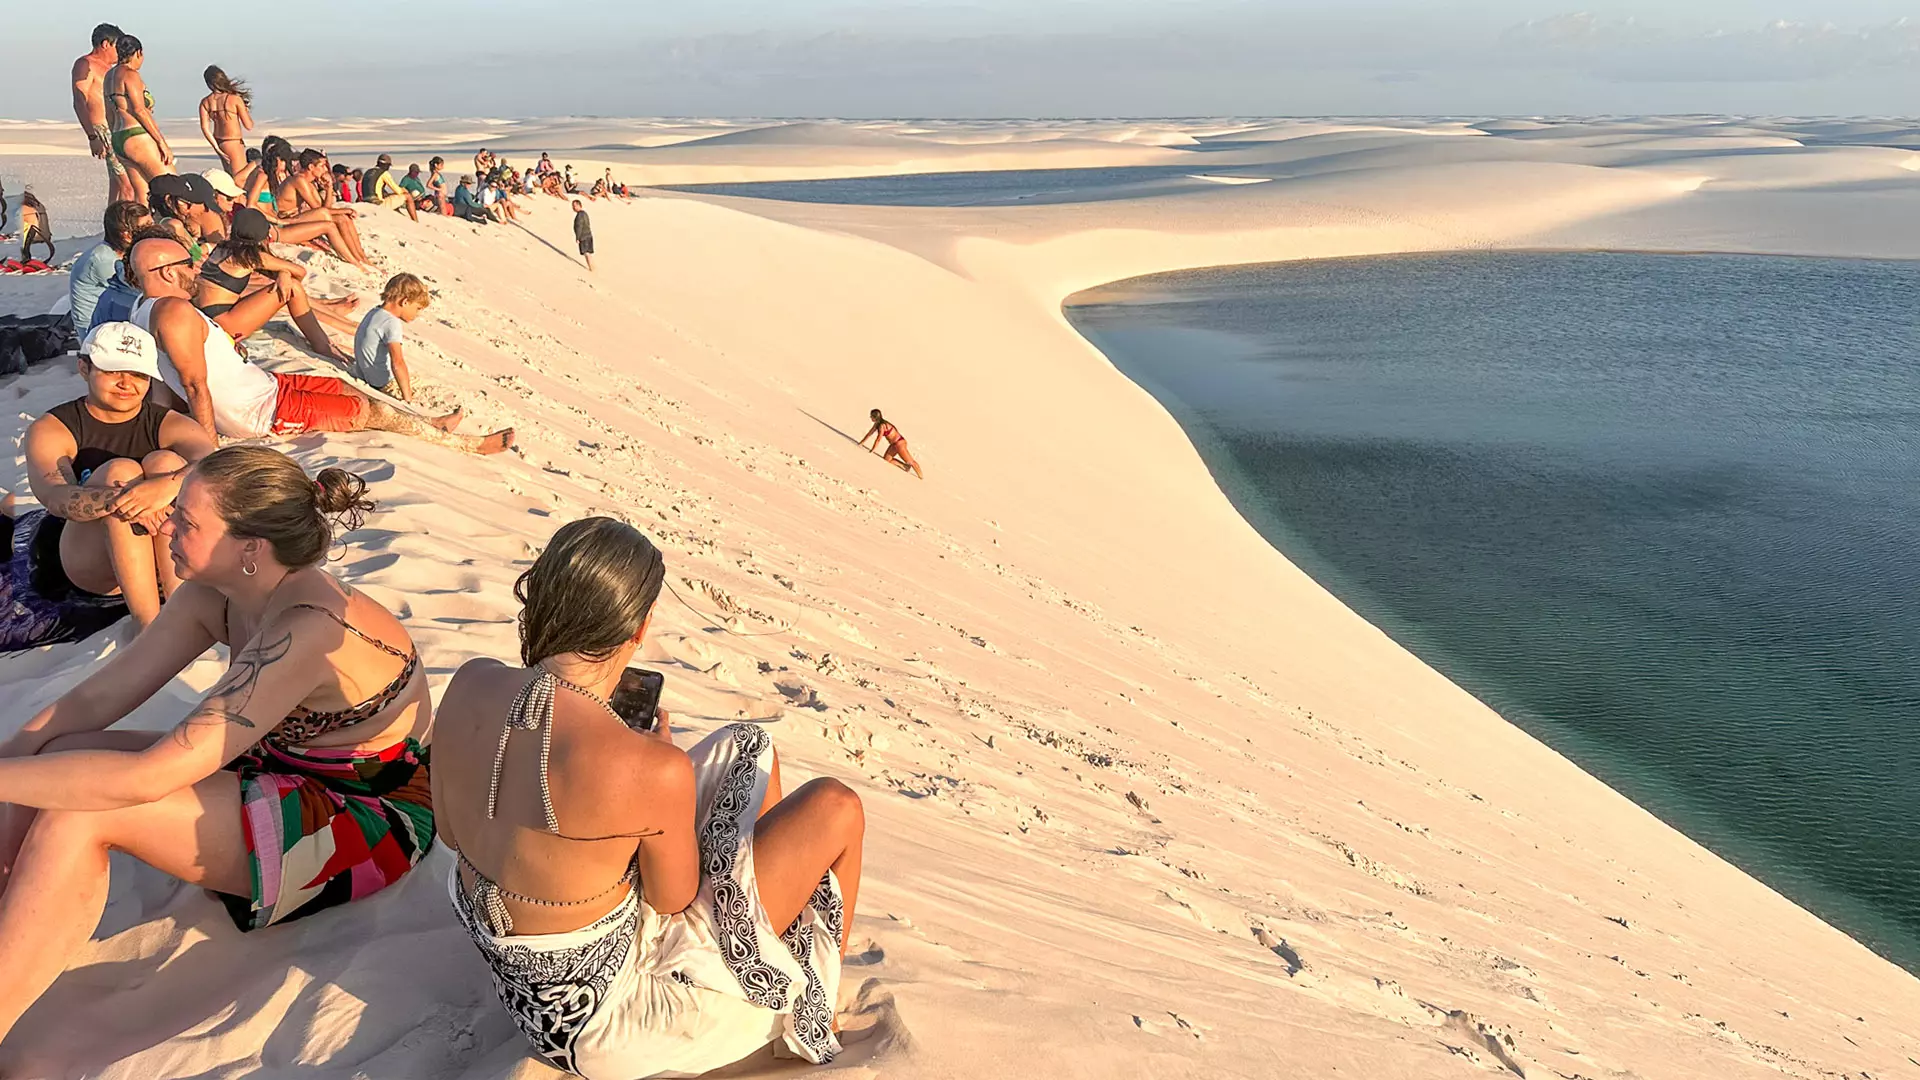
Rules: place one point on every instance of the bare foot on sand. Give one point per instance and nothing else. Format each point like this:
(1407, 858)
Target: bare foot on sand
(497, 442)
(450, 421)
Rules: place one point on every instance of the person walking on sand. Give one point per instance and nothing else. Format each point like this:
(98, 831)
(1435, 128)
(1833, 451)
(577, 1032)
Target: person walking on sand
(90, 107)
(583, 232)
(645, 910)
(896, 444)
(226, 117)
(135, 135)
(297, 784)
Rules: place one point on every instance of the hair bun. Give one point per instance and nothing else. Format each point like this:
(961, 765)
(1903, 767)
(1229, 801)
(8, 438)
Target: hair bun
(341, 494)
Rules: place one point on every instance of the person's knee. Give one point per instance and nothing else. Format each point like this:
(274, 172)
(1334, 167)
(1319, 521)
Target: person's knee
(68, 828)
(840, 801)
(161, 463)
(117, 471)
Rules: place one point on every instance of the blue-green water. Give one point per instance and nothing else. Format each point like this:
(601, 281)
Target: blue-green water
(1658, 510)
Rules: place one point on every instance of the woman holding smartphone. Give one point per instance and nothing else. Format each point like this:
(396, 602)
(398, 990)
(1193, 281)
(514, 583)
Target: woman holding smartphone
(646, 910)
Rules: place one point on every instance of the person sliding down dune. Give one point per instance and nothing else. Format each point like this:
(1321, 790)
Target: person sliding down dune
(297, 784)
(646, 910)
(896, 444)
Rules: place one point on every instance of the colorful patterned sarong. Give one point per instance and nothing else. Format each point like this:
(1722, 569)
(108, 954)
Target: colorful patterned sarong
(325, 826)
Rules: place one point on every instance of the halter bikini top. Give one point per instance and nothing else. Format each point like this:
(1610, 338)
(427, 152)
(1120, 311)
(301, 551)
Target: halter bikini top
(304, 724)
(212, 273)
(532, 710)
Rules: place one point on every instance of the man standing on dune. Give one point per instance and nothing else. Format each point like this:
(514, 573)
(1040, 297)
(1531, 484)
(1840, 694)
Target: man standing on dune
(90, 106)
(583, 232)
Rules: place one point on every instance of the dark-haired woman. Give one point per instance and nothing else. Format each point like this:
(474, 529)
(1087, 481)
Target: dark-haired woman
(226, 117)
(228, 273)
(135, 135)
(646, 911)
(297, 784)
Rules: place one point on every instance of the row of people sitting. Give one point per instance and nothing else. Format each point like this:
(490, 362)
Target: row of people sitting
(645, 910)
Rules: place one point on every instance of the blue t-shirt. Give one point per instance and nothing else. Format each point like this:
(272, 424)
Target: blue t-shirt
(115, 304)
(372, 363)
(89, 278)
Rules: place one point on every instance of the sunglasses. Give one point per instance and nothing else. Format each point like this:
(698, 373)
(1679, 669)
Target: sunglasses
(169, 266)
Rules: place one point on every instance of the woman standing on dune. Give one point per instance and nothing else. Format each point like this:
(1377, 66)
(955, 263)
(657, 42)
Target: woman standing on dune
(135, 136)
(896, 444)
(225, 118)
(297, 784)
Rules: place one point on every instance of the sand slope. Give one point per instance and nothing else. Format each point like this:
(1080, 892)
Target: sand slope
(1144, 800)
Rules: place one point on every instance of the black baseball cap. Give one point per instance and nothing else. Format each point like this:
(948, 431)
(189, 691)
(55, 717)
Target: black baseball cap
(200, 190)
(251, 225)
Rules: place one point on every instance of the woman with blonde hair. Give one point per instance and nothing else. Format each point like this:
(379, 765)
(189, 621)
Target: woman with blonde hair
(225, 118)
(646, 910)
(299, 781)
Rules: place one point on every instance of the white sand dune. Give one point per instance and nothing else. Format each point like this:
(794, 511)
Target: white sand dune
(1144, 800)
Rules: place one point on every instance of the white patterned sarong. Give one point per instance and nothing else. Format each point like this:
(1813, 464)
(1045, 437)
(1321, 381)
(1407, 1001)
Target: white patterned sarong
(640, 994)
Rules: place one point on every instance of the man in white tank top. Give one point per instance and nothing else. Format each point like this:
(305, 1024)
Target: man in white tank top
(231, 397)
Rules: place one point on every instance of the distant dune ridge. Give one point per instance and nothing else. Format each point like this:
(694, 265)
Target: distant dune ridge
(1144, 800)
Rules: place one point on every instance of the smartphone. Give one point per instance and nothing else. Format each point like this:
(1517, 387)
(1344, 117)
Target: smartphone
(637, 697)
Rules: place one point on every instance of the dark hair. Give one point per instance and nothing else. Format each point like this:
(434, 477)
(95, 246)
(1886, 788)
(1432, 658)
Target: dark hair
(122, 220)
(274, 144)
(589, 592)
(263, 494)
(106, 32)
(311, 157)
(338, 170)
(126, 47)
(436, 161)
(253, 153)
(220, 83)
(875, 413)
(237, 249)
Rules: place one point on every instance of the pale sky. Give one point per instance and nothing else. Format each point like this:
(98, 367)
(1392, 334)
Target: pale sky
(994, 58)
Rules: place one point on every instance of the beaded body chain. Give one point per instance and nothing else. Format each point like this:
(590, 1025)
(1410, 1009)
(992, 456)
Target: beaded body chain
(532, 709)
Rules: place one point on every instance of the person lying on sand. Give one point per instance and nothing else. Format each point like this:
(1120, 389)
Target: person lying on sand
(226, 295)
(312, 736)
(225, 118)
(230, 397)
(581, 876)
(36, 228)
(896, 444)
(105, 467)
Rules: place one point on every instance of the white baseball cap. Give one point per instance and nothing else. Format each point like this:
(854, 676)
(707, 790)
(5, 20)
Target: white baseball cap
(122, 346)
(222, 182)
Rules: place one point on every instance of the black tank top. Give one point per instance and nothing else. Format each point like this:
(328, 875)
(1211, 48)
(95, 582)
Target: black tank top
(100, 442)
